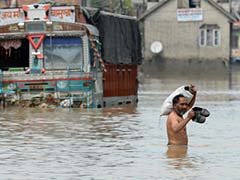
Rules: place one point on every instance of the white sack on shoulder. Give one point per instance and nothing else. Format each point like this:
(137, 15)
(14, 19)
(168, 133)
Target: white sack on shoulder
(167, 104)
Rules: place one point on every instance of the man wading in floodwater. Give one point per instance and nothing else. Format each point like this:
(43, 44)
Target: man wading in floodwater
(176, 124)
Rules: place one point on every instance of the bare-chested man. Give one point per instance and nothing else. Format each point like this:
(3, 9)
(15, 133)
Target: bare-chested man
(176, 124)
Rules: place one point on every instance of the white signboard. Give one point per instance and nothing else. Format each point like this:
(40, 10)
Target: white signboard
(190, 14)
(63, 14)
(10, 16)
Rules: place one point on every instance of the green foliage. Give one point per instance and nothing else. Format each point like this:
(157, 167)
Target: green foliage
(116, 6)
(52, 2)
(95, 3)
(127, 4)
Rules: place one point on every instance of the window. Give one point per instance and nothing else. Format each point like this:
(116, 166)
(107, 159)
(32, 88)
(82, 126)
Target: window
(216, 37)
(209, 38)
(235, 39)
(209, 35)
(61, 52)
(188, 4)
(202, 37)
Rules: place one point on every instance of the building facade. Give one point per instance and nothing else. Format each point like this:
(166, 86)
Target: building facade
(187, 32)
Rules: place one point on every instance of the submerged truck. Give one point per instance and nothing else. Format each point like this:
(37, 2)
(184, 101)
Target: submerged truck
(68, 56)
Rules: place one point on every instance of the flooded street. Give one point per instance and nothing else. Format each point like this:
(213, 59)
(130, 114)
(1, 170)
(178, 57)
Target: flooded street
(124, 143)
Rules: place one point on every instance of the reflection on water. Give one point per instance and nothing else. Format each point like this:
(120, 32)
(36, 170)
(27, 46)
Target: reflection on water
(176, 151)
(124, 142)
(179, 159)
(177, 156)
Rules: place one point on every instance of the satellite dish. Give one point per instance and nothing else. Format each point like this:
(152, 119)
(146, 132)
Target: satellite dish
(156, 47)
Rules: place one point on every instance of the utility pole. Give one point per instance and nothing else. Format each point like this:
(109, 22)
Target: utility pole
(230, 6)
(110, 6)
(121, 6)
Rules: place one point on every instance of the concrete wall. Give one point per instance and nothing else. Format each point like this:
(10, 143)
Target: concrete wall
(180, 39)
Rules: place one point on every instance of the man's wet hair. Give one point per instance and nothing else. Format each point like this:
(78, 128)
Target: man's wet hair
(176, 98)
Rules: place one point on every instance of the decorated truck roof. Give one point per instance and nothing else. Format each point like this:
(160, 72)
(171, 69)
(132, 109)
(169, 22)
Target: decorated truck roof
(20, 3)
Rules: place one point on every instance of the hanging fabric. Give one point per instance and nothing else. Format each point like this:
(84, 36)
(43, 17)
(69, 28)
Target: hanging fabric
(11, 43)
(97, 54)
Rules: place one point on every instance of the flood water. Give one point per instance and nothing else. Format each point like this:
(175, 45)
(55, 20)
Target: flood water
(124, 143)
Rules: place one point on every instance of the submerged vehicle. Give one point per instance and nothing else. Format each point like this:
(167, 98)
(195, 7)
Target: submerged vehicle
(59, 55)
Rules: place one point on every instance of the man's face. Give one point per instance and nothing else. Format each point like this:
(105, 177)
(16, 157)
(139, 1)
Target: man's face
(181, 106)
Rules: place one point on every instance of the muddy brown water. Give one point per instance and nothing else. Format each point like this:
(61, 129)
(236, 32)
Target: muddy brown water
(124, 143)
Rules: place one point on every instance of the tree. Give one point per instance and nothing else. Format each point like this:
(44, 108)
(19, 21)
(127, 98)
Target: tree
(127, 7)
(115, 6)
